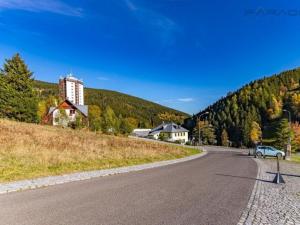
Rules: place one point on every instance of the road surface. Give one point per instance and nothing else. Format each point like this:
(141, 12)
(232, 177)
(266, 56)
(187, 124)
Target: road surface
(213, 190)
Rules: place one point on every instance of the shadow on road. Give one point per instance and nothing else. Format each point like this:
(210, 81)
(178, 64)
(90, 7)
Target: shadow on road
(245, 155)
(249, 178)
(285, 174)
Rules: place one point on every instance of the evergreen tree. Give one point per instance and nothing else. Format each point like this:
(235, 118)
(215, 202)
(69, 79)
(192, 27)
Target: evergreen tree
(283, 133)
(261, 101)
(17, 95)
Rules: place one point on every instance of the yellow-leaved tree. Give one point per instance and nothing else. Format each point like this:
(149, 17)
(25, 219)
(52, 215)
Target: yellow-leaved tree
(296, 103)
(275, 108)
(255, 133)
(296, 132)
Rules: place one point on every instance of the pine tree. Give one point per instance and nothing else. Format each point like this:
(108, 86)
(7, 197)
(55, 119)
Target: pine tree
(283, 133)
(261, 101)
(17, 95)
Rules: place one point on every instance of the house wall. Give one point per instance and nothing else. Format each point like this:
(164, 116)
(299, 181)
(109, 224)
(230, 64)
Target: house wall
(179, 136)
(70, 118)
(156, 136)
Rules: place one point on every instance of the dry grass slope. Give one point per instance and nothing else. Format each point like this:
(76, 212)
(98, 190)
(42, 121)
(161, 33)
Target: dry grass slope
(30, 151)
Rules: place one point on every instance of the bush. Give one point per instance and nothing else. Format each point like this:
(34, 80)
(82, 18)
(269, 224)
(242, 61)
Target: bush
(188, 143)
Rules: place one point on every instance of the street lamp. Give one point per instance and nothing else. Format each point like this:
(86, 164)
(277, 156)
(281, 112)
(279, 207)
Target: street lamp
(288, 148)
(198, 120)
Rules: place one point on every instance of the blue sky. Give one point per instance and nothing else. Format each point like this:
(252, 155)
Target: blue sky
(183, 54)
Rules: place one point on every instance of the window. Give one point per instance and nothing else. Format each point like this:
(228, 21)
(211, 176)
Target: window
(72, 112)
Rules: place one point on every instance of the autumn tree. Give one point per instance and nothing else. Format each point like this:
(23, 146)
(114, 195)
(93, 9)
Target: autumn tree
(127, 125)
(296, 135)
(224, 138)
(42, 110)
(170, 117)
(110, 122)
(44, 106)
(94, 117)
(275, 107)
(295, 104)
(207, 133)
(255, 133)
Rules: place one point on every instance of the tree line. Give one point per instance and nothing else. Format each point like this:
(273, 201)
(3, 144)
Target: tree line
(258, 112)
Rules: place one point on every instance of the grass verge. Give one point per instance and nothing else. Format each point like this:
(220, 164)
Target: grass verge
(295, 158)
(31, 151)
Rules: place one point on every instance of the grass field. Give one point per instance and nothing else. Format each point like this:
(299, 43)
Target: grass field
(30, 151)
(295, 158)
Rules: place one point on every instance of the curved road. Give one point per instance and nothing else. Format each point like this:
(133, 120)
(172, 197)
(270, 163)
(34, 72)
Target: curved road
(213, 190)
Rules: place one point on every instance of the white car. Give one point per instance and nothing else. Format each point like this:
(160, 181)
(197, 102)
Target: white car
(269, 151)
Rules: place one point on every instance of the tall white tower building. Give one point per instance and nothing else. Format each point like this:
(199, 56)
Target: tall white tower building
(71, 88)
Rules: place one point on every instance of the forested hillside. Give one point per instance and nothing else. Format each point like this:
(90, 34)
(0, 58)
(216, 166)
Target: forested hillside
(24, 99)
(258, 110)
(145, 113)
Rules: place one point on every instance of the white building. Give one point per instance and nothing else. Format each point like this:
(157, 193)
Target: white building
(71, 88)
(170, 132)
(141, 132)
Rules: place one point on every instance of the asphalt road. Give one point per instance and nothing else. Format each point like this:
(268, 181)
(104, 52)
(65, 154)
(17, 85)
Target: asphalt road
(213, 190)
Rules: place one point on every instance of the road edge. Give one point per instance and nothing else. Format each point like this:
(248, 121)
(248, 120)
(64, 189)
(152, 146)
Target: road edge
(248, 208)
(80, 176)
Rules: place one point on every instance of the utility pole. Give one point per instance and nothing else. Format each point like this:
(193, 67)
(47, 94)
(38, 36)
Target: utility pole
(198, 121)
(288, 149)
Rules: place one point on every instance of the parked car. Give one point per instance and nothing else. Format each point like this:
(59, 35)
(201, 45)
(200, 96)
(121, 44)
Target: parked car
(269, 151)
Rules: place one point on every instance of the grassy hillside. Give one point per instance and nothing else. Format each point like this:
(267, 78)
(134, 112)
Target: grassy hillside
(261, 101)
(144, 111)
(29, 150)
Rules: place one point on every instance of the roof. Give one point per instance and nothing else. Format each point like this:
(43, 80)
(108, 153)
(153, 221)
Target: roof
(141, 132)
(71, 77)
(51, 110)
(81, 108)
(169, 128)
